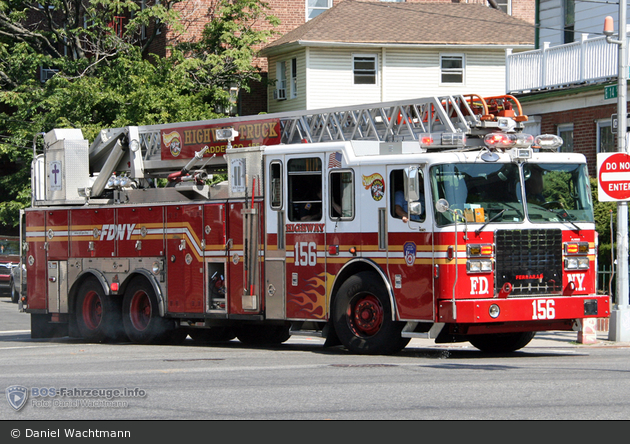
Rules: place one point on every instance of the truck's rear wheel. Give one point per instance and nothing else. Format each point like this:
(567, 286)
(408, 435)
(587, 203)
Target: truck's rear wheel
(141, 315)
(362, 316)
(501, 342)
(98, 316)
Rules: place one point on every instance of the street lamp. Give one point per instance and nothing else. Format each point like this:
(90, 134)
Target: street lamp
(619, 328)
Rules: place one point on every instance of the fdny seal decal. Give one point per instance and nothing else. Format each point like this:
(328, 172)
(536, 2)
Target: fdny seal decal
(173, 141)
(376, 185)
(410, 253)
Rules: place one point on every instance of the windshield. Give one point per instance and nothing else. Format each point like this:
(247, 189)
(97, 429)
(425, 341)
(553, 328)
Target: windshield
(558, 192)
(481, 193)
(9, 247)
(478, 192)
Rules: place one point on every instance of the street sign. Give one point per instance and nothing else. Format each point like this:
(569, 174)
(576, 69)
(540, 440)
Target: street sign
(610, 92)
(613, 177)
(615, 123)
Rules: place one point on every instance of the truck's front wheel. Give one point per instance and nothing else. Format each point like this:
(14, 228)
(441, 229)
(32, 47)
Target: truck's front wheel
(362, 316)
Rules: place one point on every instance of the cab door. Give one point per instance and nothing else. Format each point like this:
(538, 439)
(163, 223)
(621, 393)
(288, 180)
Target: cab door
(305, 237)
(409, 248)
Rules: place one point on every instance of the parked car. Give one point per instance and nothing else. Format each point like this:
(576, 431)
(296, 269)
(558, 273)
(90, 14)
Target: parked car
(17, 283)
(9, 259)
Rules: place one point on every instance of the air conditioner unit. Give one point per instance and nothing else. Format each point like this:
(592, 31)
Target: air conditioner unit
(47, 73)
(280, 94)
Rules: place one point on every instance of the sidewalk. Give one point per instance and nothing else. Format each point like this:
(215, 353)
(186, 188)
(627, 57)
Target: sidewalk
(543, 339)
(570, 339)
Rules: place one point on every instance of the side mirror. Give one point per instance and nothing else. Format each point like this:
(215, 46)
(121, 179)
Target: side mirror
(413, 183)
(442, 206)
(415, 208)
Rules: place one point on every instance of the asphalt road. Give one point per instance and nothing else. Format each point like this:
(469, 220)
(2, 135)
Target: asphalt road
(552, 378)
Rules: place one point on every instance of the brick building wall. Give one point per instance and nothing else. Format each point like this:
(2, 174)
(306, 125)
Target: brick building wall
(524, 10)
(584, 122)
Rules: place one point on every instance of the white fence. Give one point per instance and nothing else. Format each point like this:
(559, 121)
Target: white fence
(584, 61)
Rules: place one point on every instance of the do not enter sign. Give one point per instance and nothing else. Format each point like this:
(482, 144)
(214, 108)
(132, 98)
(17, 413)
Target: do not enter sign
(613, 174)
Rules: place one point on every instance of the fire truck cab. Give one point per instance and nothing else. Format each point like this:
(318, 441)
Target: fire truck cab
(435, 217)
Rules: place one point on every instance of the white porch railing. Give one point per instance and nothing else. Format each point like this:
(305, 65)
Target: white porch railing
(584, 61)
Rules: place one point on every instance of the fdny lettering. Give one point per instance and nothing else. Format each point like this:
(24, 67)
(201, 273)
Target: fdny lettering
(578, 280)
(113, 231)
(305, 228)
(521, 277)
(478, 285)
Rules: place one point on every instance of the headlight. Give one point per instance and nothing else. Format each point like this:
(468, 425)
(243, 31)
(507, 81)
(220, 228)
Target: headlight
(571, 263)
(576, 263)
(494, 311)
(155, 268)
(479, 266)
(583, 263)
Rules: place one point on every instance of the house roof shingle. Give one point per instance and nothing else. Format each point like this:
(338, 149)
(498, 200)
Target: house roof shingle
(353, 21)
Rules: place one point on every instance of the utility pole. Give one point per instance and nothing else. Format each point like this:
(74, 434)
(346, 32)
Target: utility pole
(619, 328)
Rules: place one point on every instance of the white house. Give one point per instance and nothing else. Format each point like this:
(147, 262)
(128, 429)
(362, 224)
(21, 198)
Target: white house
(563, 85)
(563, 21)
(365, 52)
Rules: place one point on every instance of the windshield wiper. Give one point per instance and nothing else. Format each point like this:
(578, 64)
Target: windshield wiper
(566, 219)
(490, 220)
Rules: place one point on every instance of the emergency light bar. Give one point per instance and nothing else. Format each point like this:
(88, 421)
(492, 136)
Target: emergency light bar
(548, 142)
(499, 140)
(427, 140)
(508, 140)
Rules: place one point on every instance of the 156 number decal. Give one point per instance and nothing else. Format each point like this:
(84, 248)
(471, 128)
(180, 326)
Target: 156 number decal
(305, 254)
(543, 309)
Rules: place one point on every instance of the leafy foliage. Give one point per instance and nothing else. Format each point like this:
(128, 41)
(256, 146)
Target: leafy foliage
(104, 74)
(605, 214)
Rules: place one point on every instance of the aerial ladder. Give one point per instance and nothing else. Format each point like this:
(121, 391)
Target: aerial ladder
(137, 152)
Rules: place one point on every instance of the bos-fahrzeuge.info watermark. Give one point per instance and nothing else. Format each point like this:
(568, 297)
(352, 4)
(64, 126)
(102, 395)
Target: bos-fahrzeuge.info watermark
(64, 397)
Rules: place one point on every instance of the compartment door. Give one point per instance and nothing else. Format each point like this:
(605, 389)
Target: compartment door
(185, 264)
(275, 242)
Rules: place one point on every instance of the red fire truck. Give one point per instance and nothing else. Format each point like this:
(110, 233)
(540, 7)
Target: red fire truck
(369, 225)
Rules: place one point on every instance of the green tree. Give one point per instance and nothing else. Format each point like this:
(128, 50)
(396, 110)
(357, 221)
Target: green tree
(103, 75)
(604, 211)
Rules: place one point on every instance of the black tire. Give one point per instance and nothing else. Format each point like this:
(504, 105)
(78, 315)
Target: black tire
(263, 334)
(15, 294)
(141, 315)
(98, 315)
(212, 334)
(362, 317)
(502, 342)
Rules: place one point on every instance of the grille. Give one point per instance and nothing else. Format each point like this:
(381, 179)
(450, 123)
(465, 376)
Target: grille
(530, 260)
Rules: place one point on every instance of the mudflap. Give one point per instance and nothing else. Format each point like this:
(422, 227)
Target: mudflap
(331, 336)
(42, 327)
